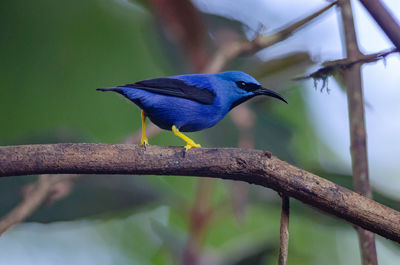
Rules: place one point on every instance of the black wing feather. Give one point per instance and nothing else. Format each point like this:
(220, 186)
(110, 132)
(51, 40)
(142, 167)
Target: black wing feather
(176, 88)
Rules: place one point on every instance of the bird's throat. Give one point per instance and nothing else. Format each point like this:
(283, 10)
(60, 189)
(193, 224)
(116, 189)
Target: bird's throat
(240, 101)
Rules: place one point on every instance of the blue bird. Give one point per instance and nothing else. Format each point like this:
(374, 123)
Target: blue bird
(189, 103)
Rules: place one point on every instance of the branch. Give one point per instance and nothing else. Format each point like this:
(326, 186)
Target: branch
(284, 231)
(384, 19)
(332, 67)
(358, 135)
(42, 189)
(220, 59)
(199, 220)
(31, 202)
(183, 26)
(234, 49)
(252, 166)
(45, 186)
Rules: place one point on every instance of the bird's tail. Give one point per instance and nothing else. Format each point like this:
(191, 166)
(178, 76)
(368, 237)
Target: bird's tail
(114, 89)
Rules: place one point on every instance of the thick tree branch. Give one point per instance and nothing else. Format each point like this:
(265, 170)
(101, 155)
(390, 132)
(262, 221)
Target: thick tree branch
(45, 186)
(384, 19)
(252, 166)
(358, 135)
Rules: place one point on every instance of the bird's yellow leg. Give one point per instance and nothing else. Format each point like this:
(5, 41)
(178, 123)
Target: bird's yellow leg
(189, 142)
(144, 141)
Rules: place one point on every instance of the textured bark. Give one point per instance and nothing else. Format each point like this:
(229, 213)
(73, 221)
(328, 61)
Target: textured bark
(252, 166)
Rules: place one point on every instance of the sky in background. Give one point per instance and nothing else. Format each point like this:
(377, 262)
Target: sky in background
(328, 112)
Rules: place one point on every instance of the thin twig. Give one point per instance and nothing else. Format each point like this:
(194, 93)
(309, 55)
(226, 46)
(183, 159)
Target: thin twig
(358, 135)
(200, 216)
(234, 49)
(284, 231)
(384, 19)
(30, 203)
(330, 68)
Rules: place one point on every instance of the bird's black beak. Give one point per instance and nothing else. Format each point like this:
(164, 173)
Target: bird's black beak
(268, 92)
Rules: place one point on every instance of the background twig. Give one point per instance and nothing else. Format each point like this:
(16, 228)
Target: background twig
(199, 218)
(384, 19)
(234, 49)
(41, 191)
(284, 231)
(358, 135)
(332, 67)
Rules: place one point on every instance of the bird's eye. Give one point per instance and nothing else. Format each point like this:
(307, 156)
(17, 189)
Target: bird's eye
(241, 84)
(249, 87)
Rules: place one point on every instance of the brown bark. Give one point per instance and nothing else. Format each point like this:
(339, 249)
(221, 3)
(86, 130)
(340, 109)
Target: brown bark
(252, 166)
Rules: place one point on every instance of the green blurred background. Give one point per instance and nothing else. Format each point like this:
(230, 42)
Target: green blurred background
(54, 54)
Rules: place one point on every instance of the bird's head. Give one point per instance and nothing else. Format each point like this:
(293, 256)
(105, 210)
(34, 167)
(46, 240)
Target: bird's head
(241, 87)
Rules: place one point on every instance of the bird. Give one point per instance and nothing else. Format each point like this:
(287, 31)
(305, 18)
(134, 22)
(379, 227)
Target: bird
(191, 102)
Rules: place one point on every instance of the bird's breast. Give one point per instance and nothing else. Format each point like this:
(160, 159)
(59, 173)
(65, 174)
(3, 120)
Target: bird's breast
(186, 115)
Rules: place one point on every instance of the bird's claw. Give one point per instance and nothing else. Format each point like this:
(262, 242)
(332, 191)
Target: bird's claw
(190, 145)
(144, 142)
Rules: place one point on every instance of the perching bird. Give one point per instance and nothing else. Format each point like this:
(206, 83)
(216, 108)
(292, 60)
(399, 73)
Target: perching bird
(189, 103)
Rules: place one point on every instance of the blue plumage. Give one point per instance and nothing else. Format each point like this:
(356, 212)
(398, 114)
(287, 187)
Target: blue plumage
(165, 111)
(191, 102)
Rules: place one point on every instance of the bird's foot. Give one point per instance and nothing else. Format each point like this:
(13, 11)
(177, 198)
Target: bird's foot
(189, 142)
(144, 142)
(190, 145)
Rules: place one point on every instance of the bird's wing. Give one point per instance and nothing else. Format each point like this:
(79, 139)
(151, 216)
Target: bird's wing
(176, 88)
